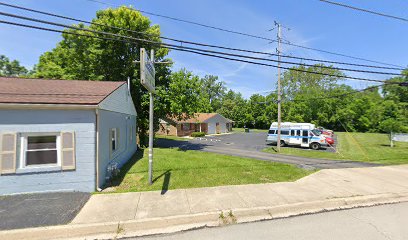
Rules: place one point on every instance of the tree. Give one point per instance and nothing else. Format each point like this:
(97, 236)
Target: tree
(182, 96)
(89, 58)
(233, 106)
(394, 91)
(213, 90)
(11, 68)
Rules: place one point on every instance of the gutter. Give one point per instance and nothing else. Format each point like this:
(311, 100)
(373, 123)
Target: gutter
(97, 150)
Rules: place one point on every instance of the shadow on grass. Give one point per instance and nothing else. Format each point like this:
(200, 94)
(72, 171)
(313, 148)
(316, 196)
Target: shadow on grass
(166, 181)
(116, 181)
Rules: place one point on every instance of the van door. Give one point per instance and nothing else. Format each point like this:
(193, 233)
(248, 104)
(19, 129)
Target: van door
(296, 137)
(305, 138)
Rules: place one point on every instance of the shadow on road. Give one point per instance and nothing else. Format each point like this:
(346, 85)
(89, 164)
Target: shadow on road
(182, 145)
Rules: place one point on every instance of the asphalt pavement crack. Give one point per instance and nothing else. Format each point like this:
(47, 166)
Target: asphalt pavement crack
(376, 228)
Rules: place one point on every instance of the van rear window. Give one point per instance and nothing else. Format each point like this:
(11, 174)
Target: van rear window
(271, 132)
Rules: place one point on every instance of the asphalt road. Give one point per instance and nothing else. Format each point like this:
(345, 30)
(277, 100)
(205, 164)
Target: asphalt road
(375, 223)
(40, 209)
(251, 145)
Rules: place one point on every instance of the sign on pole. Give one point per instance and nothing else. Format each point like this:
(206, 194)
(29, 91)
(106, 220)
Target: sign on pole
(147, 79)
(147, 72)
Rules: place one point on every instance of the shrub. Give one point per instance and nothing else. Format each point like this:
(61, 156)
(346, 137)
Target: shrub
(198, 134)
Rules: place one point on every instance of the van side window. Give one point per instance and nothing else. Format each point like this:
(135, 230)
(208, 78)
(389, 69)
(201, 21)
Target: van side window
(292, 132)
(305, 133)
(298, 133)
(271, 132)
(285, 132)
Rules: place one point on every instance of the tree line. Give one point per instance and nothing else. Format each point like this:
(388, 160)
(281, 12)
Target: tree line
(306, 97)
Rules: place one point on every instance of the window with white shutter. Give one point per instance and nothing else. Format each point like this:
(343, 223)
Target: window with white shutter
(68, 150)
(8, 145)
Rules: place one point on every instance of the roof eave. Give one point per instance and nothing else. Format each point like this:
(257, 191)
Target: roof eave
(46, 106)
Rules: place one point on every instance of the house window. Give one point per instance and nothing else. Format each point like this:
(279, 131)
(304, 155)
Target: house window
(131, 134)
(186, 126)
(114, 139)
(41, 150)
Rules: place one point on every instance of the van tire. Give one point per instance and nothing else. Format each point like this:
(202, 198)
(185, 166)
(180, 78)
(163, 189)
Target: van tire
(282, 143)
(315, 146)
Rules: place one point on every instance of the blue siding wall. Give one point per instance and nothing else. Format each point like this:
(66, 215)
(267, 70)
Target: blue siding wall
(82, 122)
(127, 148)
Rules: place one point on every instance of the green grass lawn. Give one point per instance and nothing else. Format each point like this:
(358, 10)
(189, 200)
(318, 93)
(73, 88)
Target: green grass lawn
(366, 147)
(251, 130)
(175, 169)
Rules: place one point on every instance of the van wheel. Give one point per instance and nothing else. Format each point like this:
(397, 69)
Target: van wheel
(315, 146)
(282, 143)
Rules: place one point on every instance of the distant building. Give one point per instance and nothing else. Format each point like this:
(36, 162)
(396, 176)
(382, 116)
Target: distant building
(209, 123)
(62, 135)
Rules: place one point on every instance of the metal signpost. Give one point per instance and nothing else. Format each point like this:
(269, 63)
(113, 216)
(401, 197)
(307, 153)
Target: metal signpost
(147, 79)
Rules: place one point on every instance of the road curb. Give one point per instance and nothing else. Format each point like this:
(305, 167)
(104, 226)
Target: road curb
(135, 228)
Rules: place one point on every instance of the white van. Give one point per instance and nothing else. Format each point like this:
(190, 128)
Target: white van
(296, 134)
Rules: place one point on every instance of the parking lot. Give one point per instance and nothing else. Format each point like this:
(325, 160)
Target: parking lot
(250, 145)
(249, 141)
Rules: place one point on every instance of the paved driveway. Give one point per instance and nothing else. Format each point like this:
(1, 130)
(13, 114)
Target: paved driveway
(41, 209)
(251, 145)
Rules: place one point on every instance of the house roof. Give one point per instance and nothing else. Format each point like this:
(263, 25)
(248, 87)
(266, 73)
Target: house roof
(46, 91)
(199, 118)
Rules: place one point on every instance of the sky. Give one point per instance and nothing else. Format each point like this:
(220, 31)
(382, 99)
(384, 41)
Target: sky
(312, 23)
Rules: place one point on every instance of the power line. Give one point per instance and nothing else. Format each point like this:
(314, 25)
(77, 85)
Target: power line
(179, 48)
(333, 96)
(196, 43)
(338, 54)
(343, 94)
(198, 49)
(241, 33)
(189, 22)
(366, 10)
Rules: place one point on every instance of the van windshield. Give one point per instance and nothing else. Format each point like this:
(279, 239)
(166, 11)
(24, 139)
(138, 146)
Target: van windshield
(316, 132)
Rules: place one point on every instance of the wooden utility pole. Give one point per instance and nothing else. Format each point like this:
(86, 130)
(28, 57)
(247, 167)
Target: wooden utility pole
(278, 141)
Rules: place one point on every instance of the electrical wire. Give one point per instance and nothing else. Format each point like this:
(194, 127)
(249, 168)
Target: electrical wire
(196, 49)
(331, 96)
(338, 54)
(197, 43)
(178, 48)
(365, 10)
(241, 33)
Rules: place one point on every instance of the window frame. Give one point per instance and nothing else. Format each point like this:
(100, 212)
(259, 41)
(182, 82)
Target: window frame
(24, 145)
(130, 134)
(114, 137)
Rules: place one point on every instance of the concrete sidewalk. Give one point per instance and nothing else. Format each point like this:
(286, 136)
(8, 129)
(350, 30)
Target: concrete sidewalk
(135, 214)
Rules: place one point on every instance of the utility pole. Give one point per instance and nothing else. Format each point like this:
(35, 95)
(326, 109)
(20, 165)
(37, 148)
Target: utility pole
(279, 86)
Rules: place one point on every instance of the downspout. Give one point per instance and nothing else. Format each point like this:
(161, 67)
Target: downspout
(97, 149)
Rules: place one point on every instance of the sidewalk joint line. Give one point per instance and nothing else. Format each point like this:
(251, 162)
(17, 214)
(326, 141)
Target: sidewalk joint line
(137, 205)
(188, 202)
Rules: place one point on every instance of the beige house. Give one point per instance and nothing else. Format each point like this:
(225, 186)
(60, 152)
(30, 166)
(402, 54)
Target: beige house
(209, 123)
